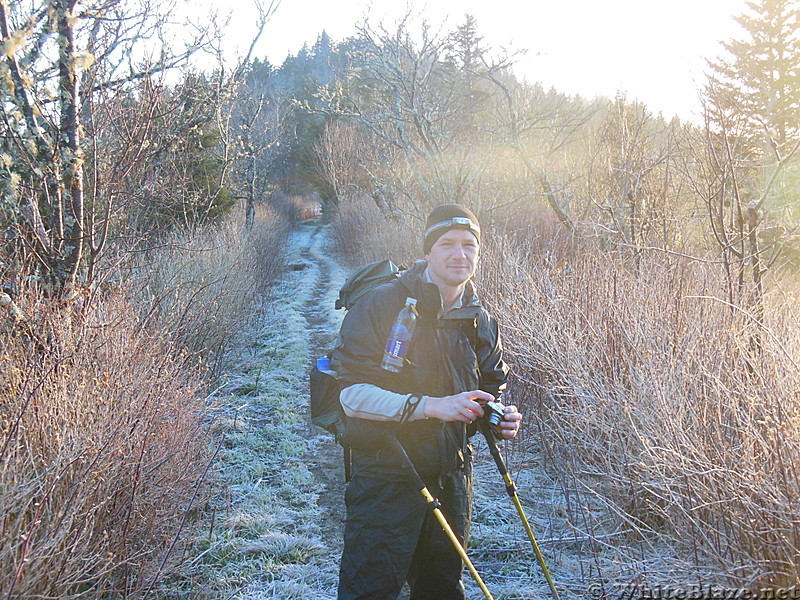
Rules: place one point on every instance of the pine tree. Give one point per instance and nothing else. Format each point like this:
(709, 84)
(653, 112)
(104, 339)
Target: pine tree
(467, 54)
(321, 53)
(760, 79)
(752, 138)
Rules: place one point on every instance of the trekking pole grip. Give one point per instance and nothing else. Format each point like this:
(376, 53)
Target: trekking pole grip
(486, 429)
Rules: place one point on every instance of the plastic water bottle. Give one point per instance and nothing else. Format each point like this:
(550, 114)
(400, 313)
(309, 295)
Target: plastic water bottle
(400, 337)
(324, 365)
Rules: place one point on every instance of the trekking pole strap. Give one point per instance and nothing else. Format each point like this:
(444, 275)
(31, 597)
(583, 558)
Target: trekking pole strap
(486, 429)
(348, 465)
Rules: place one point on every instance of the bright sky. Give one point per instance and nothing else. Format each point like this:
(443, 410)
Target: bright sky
(654, 50)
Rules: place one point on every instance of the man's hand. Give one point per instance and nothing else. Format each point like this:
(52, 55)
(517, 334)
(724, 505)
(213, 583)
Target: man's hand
(461, 407)
(509, 426)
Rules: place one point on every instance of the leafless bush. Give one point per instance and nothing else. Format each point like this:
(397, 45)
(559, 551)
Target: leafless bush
(199, 285)
(101, 450)
(671, 408)
(363, 233)
(308, 206)
(102, 442)
(285, 205)
(337, 156)
(649, 392)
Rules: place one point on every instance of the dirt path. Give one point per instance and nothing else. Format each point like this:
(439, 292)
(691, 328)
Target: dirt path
(500, 546)
(326, 459)
(275, 529)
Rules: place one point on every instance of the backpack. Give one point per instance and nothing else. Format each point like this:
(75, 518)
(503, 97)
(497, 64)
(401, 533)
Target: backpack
(326, 411)
(364, 280)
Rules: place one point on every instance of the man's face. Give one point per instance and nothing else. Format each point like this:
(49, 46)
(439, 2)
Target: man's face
(453, 258)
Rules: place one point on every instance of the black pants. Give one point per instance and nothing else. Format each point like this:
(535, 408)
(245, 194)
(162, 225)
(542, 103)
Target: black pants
(391, 536)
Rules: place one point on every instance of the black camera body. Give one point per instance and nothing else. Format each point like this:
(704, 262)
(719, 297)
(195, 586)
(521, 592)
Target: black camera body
(494, 412)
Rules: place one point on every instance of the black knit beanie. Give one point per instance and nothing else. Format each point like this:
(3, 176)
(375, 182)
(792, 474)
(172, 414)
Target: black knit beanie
(445, 217)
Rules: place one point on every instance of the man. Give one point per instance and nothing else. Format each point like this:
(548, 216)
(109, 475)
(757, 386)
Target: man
(453, 366)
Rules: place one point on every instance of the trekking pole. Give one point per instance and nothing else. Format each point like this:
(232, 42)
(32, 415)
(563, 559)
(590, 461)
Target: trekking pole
(511, 488)
(434, 505)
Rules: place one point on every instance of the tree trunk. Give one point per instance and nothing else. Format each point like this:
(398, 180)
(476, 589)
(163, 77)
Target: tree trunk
(72, 202)
(250, 212)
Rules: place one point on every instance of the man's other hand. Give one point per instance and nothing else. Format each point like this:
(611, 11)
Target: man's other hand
(461, 407)
(509, 426)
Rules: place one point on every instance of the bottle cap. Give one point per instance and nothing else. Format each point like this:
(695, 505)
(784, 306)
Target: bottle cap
(323, 363)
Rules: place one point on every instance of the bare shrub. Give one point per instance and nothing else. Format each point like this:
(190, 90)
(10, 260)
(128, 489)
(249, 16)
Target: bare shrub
(102, 443)
(647, 392)
(285, 205)
(101, 449)
(199, 285)
(307, 206)
(363, 233)
(338, 154)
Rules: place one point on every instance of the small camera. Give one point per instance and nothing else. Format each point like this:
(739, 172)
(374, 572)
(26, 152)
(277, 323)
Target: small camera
(494, 412)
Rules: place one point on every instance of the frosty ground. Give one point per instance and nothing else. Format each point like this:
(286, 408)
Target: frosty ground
(274, 530)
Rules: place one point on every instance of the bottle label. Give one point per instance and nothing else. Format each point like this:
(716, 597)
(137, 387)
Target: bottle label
(396, 348)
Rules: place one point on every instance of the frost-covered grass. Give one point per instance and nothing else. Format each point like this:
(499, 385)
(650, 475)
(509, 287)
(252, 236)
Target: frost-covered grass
(264, 535)
(499, 546)
(261, 537)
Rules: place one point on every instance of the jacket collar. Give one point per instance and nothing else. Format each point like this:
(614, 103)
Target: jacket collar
(426, 277)
(429, 300)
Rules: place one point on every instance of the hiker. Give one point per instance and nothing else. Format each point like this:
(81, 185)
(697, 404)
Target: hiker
(453, 366)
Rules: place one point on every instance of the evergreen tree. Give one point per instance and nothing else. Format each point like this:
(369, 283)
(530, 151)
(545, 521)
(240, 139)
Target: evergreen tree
(467, 57)
(760, 79)
(321, 54)
(295, 87)
(752, 137)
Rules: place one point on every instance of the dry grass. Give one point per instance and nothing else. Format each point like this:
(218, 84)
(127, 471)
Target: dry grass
(103, 428)
(653, 400)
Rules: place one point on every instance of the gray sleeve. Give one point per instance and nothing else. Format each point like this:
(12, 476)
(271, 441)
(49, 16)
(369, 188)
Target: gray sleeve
(367, 401)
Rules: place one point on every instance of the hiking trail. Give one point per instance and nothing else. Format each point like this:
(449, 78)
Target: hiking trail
(276, 530)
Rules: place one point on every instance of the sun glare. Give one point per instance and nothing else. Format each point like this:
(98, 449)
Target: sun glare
(652, 51)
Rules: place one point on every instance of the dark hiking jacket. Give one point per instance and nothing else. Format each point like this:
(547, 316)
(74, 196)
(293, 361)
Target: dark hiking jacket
(458, 352)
